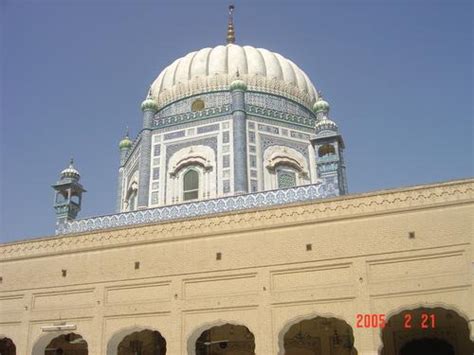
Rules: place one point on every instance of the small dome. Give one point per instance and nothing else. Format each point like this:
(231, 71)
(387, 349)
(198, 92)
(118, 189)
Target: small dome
(125, 143)
(149, 104)
(70, 172)
(238, 85)
(321, 106)
(326, 125)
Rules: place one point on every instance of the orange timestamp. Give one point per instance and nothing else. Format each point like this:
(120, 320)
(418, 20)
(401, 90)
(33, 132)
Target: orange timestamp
(423, 321)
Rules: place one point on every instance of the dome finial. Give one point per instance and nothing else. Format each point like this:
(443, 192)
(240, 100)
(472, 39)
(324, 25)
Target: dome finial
(230, 26)
(71, 162)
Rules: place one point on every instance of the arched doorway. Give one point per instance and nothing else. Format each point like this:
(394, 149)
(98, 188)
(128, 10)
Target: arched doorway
(227, 339)
(7, 347)
(144, 342)
(423, 330)
(318, 336)
(67, 344)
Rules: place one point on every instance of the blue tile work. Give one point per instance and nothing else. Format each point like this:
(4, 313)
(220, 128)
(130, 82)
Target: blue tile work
(210, 128)
(174, 135)
(203, 208)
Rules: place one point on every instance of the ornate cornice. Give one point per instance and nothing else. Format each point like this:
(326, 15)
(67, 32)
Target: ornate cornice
(222, 82)
(349, 206)
(280, 116)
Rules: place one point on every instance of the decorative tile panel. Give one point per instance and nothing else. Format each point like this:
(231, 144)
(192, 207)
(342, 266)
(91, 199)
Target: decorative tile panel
(159, 122)
(269, 129)
(202, 208)
(300, 135)
(183, 106)
(277, 103)
(174, 135)
(209, 128)
(225, 137)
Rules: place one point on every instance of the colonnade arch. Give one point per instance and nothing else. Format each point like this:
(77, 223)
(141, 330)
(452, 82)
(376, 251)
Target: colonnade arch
(61, 344)
(317, 335)
(137, 341)
(7, 346)
(228, 339)
(221, 338)
(433, 330)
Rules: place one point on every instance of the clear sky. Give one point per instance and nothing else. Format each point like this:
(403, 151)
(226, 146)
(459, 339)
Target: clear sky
(398, 76)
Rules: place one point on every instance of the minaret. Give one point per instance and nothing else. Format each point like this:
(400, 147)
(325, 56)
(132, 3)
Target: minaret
(149, 108)
(68, 195)
(125, 145)
(329, 146)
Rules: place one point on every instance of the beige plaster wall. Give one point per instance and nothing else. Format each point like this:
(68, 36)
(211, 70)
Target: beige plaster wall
(362, 261)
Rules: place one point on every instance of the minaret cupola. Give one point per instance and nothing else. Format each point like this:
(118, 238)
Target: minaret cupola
(68, 194)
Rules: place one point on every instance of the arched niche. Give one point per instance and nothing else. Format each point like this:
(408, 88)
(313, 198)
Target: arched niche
(199, 158)
(127, 342)
(424, 328)
(66, 344)
(280, 160)
(7, 346)
(326, 149)
(318, 335)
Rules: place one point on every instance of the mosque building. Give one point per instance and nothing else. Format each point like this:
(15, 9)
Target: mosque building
(234, 234)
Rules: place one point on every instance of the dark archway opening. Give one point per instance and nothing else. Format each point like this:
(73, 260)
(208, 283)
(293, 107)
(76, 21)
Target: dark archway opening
(436, 331)
(427, 346)
(227, 339)
(145, 342)
(67, 344)
(319, 336)
(7, 347)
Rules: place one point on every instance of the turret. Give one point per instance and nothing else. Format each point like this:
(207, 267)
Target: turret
(68, 195)
(329, 146)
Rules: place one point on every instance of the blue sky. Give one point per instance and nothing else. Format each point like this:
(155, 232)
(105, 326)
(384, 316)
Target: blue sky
(398, 76)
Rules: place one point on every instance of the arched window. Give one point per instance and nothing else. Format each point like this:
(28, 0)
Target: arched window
(132, 201)
(191, 185)
(131, 197)
(326, 150)
(286, 177)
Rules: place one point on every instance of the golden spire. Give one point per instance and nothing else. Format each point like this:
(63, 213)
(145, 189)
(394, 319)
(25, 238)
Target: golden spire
(230, 26)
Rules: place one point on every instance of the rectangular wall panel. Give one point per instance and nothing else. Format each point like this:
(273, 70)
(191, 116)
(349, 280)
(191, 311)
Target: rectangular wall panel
(138, 293)
(12, 303)
(311, 277)
(415, 267)
(220, 286)
(64, 299)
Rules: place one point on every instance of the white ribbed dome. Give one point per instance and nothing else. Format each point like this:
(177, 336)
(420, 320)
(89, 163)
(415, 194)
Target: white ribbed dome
(214, 68)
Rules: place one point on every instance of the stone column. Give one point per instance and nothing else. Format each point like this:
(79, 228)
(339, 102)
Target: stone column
(239, 138)
(149, 108)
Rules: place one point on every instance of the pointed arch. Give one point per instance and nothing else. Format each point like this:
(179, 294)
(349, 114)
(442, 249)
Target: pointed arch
(424, 326)
(195, 339)
(303, 333)
(119, 336)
